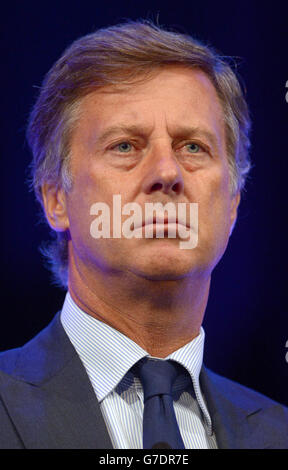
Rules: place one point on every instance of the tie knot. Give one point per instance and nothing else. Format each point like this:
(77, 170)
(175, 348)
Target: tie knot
(157, 377)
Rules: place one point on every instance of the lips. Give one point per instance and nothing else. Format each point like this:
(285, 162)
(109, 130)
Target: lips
(161, 219)
(160, 225)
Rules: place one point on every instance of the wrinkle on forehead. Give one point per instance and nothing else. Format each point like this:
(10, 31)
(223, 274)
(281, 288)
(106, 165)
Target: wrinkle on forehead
(172, 99)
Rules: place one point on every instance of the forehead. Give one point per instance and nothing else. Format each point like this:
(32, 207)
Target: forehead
(170, 96)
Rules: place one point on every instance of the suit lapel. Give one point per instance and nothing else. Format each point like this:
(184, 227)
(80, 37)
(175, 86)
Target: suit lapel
(56, 407)
(230, 413)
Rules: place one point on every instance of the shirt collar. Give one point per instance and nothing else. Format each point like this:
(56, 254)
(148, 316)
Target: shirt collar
(108, 354)
(190, 356)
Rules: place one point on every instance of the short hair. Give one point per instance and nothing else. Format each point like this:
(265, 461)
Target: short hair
(119, 54)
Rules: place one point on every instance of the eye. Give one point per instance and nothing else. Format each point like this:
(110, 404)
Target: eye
(123, 147)
(193, 148)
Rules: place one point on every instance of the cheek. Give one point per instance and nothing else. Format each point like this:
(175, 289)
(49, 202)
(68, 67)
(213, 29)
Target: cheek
(97, 182)
(79, 220)
(87, 191)
(214, 206)
(89, 186)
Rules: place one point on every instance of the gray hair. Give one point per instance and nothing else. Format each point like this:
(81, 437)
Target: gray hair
(119, 54)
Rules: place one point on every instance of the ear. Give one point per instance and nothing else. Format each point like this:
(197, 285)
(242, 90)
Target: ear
(235, 201)
(54, 201)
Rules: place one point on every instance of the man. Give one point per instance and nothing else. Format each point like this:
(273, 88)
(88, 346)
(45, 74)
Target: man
(134, 115)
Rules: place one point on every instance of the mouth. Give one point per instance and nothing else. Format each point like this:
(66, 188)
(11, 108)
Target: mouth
(162, 226)
(165, 221)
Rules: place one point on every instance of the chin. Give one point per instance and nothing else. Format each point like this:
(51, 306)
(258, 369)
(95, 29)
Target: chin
(171, 263)
(165, 269)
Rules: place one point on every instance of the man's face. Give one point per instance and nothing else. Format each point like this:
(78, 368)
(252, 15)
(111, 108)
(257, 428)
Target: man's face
(159, 141)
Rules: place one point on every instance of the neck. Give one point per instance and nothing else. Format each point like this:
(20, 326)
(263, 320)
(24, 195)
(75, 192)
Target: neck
(160, 316)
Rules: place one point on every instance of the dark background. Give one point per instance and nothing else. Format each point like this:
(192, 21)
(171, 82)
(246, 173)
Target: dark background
(246, 320)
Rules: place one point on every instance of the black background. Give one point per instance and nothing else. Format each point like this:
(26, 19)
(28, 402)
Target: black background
(246, 320)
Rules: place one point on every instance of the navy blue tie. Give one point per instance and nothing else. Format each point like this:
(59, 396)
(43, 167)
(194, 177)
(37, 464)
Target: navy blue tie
(160, 427)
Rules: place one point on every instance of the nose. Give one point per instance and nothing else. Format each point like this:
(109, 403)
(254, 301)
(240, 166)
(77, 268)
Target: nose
(163, 173)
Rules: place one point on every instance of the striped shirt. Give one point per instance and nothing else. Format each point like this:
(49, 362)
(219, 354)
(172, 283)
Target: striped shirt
(108, 357)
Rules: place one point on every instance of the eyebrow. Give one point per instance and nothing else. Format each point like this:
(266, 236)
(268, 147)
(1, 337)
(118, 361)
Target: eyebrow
(130, 130)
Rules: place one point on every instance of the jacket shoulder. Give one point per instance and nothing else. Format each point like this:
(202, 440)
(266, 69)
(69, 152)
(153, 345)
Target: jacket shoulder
(240, 394)
(8, 360)
(9, 437)
(41, 357)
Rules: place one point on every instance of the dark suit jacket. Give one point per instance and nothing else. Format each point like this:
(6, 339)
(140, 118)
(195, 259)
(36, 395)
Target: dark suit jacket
(47, 402)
